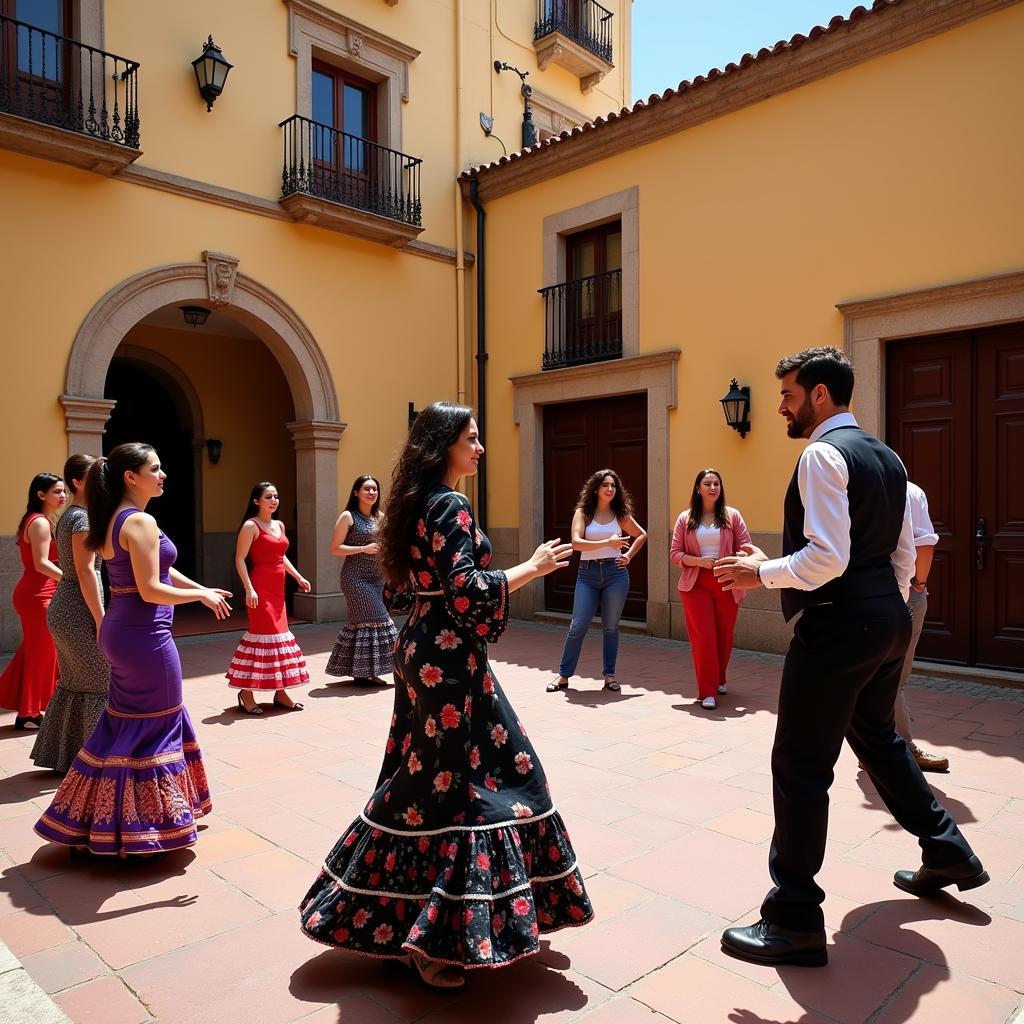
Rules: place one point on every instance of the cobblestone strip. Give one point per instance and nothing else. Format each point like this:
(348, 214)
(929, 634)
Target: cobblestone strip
(23, 1001)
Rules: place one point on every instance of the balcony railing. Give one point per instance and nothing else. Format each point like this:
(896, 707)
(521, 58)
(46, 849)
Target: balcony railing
(583, 321)
(583, 21)
(53, 80)
(323, 162)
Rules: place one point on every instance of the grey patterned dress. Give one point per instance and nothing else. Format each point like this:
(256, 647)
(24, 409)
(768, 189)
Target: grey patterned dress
(81, 693)
(366, 644)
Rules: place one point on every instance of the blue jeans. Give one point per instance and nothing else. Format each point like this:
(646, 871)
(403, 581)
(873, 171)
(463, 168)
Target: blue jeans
(598, 582)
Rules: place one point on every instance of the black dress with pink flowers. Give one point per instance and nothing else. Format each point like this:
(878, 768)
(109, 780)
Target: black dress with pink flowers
(459, 854)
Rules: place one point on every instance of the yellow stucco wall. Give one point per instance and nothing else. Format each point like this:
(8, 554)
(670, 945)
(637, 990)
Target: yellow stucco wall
(901, 173)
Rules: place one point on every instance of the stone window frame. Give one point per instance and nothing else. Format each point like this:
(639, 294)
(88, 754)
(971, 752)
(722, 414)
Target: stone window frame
(623, 206)
(869, 324)
(553, 117)
(317, 32)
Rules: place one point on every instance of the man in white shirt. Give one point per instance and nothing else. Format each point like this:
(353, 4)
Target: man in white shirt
(847, 564)
(925, 539)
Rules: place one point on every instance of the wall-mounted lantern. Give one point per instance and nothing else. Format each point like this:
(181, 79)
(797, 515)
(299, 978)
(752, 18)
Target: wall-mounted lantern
(211, 72)
(529, 128)
(213, 449)
(736, 406)
(195, 316)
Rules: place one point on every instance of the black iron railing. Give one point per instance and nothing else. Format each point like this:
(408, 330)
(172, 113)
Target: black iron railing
(583, 321)
(54, 80)
(324, 162)
(583, 21)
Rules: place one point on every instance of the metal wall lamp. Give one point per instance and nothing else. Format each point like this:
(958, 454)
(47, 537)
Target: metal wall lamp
(213, 449)
(736, 406)
(195, 316)
(529, 128)
(211, 70)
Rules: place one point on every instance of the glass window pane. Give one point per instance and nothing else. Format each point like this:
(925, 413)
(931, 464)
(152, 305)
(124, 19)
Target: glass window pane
(583, 262)
(357, 111)
(613, 252)
(323, 98)
(39, 54)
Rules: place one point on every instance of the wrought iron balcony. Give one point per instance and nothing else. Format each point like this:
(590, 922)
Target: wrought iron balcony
(583, 321)
(584, 22)
(56, 82)
(349, 183)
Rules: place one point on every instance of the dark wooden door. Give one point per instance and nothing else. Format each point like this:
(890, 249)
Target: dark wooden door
(955, 414)
(579, 439)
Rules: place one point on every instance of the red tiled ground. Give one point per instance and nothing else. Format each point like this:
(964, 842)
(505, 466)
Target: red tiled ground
(670, 811)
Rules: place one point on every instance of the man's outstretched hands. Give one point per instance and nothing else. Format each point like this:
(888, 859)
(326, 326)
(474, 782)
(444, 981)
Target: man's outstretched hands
(739, 572)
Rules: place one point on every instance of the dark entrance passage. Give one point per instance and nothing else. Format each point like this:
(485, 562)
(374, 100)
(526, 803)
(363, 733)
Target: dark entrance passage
(579, 439)
(955, 414)
(151, 409)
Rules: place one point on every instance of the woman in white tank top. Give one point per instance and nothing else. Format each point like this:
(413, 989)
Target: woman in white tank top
(607, 537)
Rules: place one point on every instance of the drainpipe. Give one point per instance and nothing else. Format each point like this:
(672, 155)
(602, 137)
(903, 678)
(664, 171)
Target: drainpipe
(461, 353)
(481, 346)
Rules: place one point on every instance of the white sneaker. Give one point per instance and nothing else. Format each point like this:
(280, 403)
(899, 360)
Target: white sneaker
(722, 688)
(710, 703)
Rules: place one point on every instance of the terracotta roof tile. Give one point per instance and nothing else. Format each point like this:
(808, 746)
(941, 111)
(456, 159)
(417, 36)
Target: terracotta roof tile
(746, 61)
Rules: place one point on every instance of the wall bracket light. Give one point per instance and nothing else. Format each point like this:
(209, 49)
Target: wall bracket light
(529, 128)
(211, 70)
(736, 406)
(213, 450)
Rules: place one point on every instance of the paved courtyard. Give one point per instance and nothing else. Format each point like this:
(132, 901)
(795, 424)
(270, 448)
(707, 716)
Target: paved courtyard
(669, 809)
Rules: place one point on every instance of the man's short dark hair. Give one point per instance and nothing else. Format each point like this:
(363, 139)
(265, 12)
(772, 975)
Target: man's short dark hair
(822, 365)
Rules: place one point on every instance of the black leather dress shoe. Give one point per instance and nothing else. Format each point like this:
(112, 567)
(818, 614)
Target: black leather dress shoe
(766, 943)
(968, 874)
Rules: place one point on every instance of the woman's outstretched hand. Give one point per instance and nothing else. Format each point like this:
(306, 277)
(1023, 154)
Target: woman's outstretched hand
(216, 600)
(551, 555)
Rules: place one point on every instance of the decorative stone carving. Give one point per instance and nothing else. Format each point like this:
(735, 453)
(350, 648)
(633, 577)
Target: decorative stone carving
(355, 44)
(221, 270)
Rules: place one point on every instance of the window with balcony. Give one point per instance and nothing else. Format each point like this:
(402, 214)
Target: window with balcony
(583, 315)
(59, 84)
(577, 35)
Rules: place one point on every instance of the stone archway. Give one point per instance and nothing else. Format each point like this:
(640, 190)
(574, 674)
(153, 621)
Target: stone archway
(316, 431)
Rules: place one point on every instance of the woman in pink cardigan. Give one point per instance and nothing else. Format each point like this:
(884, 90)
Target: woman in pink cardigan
(707, 531)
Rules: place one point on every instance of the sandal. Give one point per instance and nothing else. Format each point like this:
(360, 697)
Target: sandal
(611, 684)
(254, 710)
(287, 707)
(554, 686)
(28, 723)
(433, 974)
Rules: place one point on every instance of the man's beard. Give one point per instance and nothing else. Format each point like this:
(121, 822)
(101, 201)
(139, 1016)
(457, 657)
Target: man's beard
(802, 422)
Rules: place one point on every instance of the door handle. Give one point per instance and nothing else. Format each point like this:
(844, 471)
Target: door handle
(981, 542)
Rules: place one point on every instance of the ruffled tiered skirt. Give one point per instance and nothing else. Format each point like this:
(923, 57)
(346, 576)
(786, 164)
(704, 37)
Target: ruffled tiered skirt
(267, 661)
(469, 896)
(363, 651)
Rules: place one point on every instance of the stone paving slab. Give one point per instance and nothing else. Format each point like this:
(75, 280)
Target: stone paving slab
(669, 808)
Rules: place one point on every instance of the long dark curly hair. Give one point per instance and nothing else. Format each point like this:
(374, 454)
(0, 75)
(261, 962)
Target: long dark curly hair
(622, 503)
(697, 502)
(421, 466)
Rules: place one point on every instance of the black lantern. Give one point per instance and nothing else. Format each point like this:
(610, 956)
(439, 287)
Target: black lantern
(211, 72)
(213, 447)
(195, 316)
(736, 406)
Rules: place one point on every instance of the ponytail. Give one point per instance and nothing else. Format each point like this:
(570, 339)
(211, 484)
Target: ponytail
(77, 468)
(104, 487)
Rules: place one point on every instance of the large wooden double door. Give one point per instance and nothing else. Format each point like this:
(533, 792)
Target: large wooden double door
(579, 439)
(955, 414)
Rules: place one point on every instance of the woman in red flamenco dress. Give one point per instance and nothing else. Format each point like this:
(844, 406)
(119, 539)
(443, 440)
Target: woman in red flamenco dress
(267, 657)
(28, 682)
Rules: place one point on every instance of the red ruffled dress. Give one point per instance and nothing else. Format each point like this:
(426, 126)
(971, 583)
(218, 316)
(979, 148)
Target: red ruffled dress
(268, 656)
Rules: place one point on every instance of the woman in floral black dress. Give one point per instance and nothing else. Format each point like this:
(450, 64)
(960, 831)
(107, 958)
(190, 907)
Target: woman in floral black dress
(459, 858)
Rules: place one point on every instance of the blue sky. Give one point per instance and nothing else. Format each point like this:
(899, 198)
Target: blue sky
(680, 39)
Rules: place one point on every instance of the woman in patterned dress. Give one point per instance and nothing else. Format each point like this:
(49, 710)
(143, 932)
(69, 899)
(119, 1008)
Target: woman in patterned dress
(459, 859)
(268, 656)
(364, 648)
(27, 683)
(138, 783)
(74, 618)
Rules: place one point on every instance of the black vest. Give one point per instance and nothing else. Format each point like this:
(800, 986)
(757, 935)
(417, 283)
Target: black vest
(877, 493)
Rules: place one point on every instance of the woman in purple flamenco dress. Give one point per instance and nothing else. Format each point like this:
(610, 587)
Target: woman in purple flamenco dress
(138, 783)
(459, 858)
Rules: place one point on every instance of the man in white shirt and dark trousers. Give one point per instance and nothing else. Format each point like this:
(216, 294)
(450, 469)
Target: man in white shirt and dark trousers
(848, 557)
(925, 539)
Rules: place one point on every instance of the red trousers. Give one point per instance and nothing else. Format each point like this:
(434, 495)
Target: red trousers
(710, 621)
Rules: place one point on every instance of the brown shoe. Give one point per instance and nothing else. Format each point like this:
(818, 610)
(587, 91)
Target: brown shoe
(929, 762)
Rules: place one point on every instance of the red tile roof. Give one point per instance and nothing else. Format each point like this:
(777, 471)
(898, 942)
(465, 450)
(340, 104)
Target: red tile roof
(701, 81)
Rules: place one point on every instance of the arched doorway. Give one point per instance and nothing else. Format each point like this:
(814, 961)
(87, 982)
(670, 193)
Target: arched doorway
(146, 411)
(315, 432)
